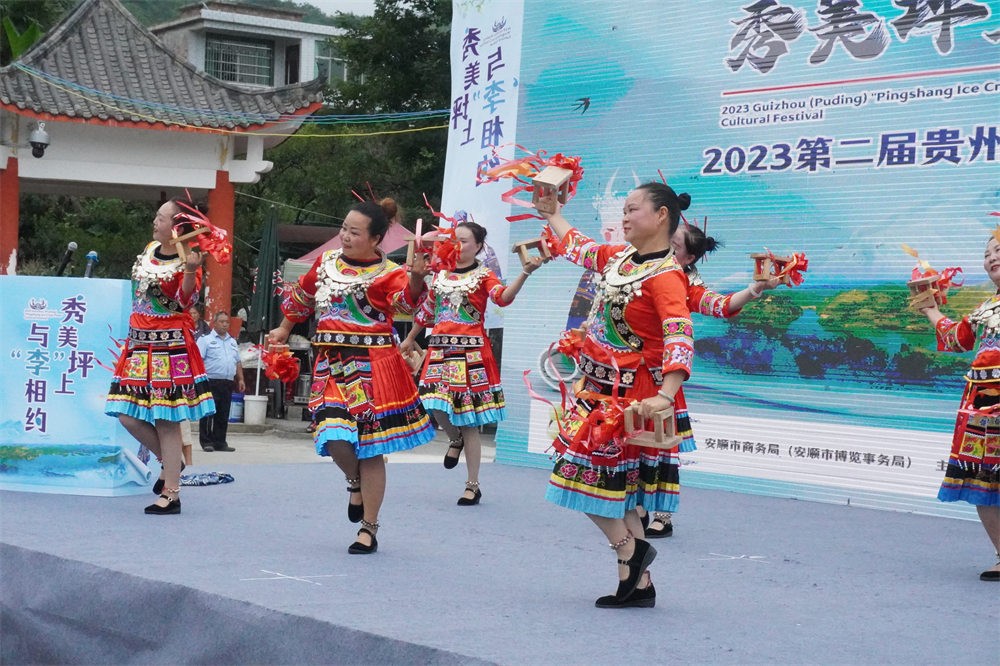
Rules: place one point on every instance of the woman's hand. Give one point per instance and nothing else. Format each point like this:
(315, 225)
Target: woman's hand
(533, 264)
(653, 404)
(771, 283)
(420, 267)
(193, 261)
(548, 200)
(407, 346)
(277, 336)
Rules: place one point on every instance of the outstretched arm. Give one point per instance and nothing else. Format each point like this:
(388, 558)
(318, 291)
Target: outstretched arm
(754, 291)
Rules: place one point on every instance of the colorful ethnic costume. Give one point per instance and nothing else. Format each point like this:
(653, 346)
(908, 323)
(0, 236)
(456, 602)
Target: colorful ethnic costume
(160, 374)
(638, 330)
(362, 390)
(973, 473)
(460, 376)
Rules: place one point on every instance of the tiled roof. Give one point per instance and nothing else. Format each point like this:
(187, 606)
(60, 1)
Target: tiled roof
(100, 46)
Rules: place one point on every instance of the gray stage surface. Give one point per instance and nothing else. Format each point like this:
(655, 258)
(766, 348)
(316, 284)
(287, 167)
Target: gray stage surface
(257, 571)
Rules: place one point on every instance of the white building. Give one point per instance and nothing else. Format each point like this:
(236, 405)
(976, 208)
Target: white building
(252, 46)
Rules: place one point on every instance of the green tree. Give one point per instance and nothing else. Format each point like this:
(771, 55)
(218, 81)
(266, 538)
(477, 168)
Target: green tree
(117, 230)
(23, 18)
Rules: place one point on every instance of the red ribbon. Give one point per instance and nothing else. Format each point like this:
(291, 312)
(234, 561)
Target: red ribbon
(793, 269)
(570, 343)
(279, 364)
(523, 170)
(116, 353)
(946, 279)
(444, 256)
(213, 241)
(605, 424)
(445, 251)
(603, 427)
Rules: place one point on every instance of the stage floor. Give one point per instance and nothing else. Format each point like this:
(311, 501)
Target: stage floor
(257, 571)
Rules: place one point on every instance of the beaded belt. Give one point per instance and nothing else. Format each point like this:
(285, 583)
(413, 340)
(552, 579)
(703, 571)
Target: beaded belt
(353, 339)
(605, 374)
(454, 341)
(156, 335)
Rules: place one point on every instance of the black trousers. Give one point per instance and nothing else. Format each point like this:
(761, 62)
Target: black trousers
(212, 429)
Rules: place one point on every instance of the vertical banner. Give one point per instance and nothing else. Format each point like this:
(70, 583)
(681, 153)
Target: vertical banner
(57, 338)
(485, 84)
(841, 130)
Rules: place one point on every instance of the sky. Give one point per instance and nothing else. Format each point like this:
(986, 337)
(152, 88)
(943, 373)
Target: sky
(354, 6)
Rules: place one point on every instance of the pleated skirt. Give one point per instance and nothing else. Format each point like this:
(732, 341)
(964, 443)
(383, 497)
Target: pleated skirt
(611, 479)
(366, 396)
(160, 376)
(464, 383)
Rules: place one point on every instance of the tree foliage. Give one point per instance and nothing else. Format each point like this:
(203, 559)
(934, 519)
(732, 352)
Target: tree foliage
(117, 230)
(399, 62)
(27, 18)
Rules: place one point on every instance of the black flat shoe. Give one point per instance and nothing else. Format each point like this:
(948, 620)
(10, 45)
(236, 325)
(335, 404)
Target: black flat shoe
(665, 531)
(358, 548)
(208, 448)
(158, 486)
(640, 598)
(990, 576)
(450, 462)
(477, 495)
(641, 559)
(173, 506)
(355, 512)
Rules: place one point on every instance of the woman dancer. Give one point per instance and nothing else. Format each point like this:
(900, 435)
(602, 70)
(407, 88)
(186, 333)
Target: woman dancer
(364, 401)
(159, 381)
(460, 381)
(639, 340)
(690, 244)
(973, 473)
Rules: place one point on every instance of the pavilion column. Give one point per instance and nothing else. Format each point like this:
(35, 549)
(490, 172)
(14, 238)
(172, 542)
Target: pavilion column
(222, 211)
(10, 191)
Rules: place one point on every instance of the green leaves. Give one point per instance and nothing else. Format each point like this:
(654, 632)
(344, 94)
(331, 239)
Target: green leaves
(20, 42)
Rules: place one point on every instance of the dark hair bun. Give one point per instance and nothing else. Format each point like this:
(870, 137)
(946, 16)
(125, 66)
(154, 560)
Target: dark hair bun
(684, 199)
(711, 244)
(390, 208)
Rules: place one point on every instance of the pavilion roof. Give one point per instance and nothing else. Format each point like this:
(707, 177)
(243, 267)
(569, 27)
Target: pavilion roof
(99, 64)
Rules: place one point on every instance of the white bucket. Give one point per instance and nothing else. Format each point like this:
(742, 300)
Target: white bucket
(254, 409)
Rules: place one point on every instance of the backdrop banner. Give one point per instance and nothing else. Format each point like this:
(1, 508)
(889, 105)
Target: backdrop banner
(837, 130)
(485, 84)
(58, 340)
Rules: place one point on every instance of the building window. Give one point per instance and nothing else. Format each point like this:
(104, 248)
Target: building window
(246, 61)
(329, 67)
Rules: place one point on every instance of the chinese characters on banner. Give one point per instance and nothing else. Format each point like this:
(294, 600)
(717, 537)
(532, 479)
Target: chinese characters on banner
(769, 37)
(768, 30)
(839, 129)
(55, 337)
(52, 357)
(486, 58)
